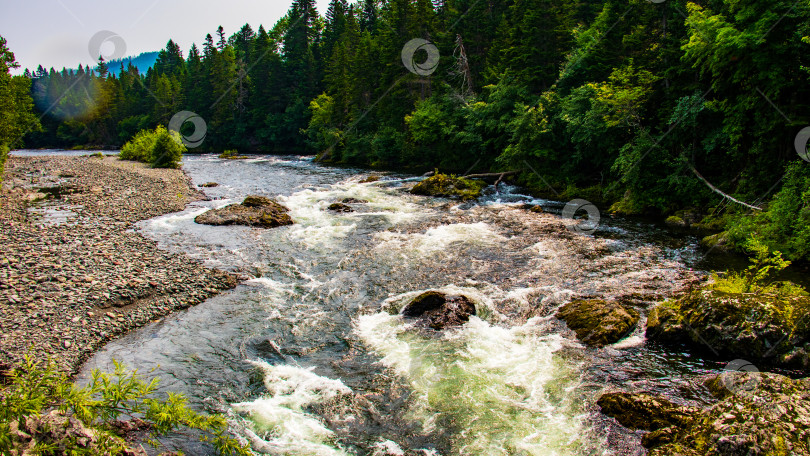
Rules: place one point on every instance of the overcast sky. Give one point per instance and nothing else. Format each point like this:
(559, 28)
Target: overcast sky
(57, 33)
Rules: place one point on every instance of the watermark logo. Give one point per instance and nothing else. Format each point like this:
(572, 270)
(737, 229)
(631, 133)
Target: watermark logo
(108, 45)
(425, 68)
(196, 138)
(588, 226)
(800, 143)
(740, 377)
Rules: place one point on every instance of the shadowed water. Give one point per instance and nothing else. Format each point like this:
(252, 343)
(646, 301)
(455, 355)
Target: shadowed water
(310, 356)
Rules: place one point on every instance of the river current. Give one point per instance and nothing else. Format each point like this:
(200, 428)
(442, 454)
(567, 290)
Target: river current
(309, 356)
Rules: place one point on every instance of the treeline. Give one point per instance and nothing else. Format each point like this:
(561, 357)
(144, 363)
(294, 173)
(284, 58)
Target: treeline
(16, 106)
(617, 101)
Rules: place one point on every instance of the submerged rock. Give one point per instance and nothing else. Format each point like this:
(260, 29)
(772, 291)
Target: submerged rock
(340, 207)
(770, 418)
(597, 322)
(439, 311)
(257, 211)
(446, 186)
(209, 185)
(371, 178)
(353, 201)
(758, 327)
(649, 413)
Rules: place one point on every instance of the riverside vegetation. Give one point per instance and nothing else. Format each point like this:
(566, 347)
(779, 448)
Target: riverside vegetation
(44, 413)
(635, 106)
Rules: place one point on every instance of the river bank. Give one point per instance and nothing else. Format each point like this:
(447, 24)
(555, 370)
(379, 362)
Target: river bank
(73, 272)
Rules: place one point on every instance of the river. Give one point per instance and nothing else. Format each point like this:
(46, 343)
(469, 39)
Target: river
(309, 356)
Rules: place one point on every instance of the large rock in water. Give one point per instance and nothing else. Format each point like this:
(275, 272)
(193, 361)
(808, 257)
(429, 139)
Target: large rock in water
(642, 411)
(255, 211)
(772, 418)
(439, 311)
(446, 186)
(597, 322)
(766, 328)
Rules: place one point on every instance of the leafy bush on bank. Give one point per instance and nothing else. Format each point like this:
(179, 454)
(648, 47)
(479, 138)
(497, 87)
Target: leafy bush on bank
(43, 412)
(785, 224)
(160, 148)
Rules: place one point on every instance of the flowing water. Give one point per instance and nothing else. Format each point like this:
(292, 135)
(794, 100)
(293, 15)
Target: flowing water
(310, 357)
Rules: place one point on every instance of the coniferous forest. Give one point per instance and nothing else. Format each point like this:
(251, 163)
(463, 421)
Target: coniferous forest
(644, 107)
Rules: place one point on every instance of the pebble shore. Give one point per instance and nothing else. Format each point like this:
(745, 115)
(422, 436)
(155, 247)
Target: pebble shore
(73, 272)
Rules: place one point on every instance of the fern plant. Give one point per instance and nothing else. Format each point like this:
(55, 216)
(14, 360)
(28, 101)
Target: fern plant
(36, 389)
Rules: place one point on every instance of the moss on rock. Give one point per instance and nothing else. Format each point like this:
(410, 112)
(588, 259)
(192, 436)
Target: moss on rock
(772, 418)
(257, 211)
(442, 185)
(769, 328)
(597, 322)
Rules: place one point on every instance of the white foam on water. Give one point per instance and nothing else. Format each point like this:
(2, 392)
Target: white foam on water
(629, 342)
(440, 238)
(317, 226)
(387, 448)
(501, 390)
(279, 423)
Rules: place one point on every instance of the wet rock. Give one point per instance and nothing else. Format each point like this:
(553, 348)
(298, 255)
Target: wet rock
(718, 242)
(439, 311)
(643, 411)
(765, 328)
(58, 191)
(59, 431)
(442, 185)
(256, 211)
(353, 201)
(772, 417)
(674, 221)
(209, 185)
(340, 207)
(371, 178)
(597, 322)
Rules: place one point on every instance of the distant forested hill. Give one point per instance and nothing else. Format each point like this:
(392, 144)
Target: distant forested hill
(142, 62)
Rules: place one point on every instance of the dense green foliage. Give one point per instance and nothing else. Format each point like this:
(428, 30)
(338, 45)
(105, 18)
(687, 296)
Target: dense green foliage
(785, 225)
(758, 277)
(16, 106)
(621, 102)
(36, 389)
(160, 148)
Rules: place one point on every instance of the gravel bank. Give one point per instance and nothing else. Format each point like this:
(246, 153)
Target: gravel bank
(73, 274)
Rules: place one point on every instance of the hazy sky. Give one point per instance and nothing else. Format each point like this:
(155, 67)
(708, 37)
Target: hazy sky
(57, 33)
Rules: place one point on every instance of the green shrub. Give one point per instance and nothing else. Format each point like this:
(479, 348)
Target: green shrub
(755, 279)
(3, 156)
(168, 149)
(39, 399)
(160, 148)
(785, 225)
(139, 148)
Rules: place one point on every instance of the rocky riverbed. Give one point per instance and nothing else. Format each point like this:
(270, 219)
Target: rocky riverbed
(74, 273)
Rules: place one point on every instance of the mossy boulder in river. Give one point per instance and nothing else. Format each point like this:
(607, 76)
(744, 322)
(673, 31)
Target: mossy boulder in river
(446, 186)
(650, 413)
(766, 327)
(770, 418)
(439, 311)
(597, 322)
(257, 211)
